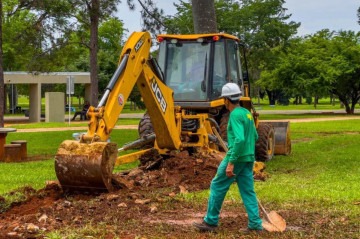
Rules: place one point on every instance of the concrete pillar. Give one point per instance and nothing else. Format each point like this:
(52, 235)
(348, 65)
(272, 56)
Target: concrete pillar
(54, 106)
(35, 102)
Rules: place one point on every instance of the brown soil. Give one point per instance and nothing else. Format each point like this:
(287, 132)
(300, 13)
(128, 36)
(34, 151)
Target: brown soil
(139, 195)
(146, 204)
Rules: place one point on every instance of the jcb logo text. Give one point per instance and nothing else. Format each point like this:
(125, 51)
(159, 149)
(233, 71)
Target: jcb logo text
(158, 94)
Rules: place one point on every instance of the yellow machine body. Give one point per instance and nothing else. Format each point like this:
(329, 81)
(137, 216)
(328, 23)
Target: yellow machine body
(182, 109)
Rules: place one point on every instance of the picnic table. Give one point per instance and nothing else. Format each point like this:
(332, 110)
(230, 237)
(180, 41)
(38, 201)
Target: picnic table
(3, 134)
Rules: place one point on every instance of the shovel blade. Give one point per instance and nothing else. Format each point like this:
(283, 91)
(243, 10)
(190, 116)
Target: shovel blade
(274, 222)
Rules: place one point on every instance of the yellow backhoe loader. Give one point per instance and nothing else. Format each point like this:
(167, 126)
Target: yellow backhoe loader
(181, 93)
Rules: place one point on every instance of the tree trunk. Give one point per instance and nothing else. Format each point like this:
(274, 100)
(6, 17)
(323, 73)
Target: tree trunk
(348, 109)
(2, 90)
(271, 96)
(94, 21)
(316, 100)
(204, 16)
(355, 100)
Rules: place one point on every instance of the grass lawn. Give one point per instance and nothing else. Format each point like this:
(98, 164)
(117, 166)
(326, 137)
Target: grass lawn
(121, 121)
(320, 177)
(322, 166)
(46, 145)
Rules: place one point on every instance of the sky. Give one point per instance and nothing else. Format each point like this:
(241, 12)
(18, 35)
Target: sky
(314, 15)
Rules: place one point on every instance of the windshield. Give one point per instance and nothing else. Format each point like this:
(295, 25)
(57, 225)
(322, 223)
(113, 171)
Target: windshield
(187, 70)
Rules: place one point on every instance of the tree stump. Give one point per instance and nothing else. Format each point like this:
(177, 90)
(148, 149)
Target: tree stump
(12, 153)
(23, 148)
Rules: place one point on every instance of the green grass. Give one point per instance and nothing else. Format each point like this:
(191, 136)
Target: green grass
(122, 121)
(36, 173)
(47, 143)
(323, 170)
(321, 176)
(317, 183)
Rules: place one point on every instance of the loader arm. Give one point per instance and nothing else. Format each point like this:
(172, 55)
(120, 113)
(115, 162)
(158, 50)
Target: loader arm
(88, 163)
(134, 68)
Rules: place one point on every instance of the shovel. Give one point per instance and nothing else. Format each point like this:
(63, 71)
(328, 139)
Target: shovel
(273, 221)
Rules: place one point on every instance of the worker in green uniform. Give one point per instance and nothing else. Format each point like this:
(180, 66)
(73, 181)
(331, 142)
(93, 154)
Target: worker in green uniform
(236, 166)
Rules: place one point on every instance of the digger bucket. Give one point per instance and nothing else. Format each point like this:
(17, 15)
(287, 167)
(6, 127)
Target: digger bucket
(81, 166)
(282, 137)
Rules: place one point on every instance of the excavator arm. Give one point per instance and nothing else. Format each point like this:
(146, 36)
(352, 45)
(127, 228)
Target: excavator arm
(135, 68)
(88, 163)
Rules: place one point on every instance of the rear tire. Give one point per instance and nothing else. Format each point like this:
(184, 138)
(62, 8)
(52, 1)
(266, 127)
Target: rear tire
(145, 127)
(265, 146)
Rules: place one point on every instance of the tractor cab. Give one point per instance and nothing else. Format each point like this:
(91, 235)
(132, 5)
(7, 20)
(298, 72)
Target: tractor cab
(197, 66)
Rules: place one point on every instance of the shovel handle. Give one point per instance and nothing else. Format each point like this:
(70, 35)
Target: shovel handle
(262, 207)
(221, 141)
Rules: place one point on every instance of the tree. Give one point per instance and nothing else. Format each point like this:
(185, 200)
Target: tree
(345, 68)
(65, 17)
(203, 12)
(30, 27)
(318, 65)
(296, 70)
(199, 17)
(76, 57)
(90, 14)
(261, 25)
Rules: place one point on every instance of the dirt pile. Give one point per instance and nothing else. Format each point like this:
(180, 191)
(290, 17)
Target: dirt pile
(140, 191)
(144, 195)
(180, 169)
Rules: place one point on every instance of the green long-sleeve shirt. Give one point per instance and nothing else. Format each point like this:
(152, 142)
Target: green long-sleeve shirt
(242, 136)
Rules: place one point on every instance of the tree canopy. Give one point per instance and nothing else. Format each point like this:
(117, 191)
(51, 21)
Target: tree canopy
(77, 35)
(318, 65)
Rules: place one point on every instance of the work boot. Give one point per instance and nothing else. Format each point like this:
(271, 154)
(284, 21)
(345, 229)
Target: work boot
(204, 227)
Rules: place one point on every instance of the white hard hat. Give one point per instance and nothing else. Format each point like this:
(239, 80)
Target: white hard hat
(231, 91)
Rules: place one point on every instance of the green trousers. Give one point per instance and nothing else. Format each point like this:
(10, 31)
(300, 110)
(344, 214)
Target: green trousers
(220, 185)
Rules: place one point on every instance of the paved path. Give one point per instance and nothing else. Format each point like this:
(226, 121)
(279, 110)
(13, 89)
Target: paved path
(72, 128)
